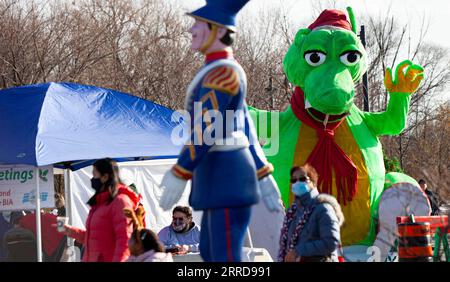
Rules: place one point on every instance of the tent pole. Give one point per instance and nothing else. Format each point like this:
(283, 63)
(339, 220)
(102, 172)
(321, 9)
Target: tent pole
(68, 196)
(68, 203)
(250, 238)
(38, 217)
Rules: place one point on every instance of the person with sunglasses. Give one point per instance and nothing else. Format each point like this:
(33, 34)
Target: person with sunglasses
(311, 227)
(183, 235)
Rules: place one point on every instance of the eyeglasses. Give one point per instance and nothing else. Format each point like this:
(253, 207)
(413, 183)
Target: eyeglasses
(177, 218)
(302, 179)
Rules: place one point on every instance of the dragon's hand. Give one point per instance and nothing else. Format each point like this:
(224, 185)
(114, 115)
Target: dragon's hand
(406, 81)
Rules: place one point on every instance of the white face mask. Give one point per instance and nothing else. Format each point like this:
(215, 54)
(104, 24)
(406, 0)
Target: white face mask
(300, 188)
(179, 225)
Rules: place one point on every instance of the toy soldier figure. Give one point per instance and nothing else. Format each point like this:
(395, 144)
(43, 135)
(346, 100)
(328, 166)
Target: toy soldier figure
(230, 174)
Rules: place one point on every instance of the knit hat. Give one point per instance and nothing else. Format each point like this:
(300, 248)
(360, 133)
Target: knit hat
(331, 19)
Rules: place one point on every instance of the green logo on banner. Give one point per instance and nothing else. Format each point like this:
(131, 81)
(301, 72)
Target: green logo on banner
(43, 175)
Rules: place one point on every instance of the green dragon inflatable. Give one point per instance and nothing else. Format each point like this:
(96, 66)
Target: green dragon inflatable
(323, 127)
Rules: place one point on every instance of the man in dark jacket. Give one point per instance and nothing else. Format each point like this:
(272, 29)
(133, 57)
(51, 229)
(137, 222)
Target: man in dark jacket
(434, 202)
(19, 242)
(5, 225)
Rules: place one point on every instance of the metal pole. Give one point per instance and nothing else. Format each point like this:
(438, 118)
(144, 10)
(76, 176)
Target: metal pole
(362, 36)
(68, 201)
(250, 238)
(38, 217)
(68, 196)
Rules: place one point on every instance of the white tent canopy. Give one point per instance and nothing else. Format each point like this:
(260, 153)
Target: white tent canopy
(146, 175)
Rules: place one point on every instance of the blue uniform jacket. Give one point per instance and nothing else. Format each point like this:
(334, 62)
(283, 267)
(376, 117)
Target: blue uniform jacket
(221, 178)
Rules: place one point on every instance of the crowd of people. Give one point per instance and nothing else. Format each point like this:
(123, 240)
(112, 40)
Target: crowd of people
(115, 226)
(116, 231)
(18, 234)
(109, 234)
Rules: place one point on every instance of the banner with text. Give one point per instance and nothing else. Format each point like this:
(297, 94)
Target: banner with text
(18, 187)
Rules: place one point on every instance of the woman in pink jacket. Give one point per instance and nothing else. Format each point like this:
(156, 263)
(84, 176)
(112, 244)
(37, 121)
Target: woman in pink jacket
(107, 228)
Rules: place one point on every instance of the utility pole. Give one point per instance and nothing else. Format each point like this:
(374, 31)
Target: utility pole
(271, 90)
(362, 36)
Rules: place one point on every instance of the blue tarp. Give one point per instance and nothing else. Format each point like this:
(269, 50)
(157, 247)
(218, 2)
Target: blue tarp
(70, 125)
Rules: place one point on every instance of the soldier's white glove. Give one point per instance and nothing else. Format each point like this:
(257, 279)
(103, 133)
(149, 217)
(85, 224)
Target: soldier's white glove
(173, 188)
(270, 194)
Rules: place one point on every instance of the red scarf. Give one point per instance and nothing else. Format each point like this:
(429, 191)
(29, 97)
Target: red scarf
(327, 156)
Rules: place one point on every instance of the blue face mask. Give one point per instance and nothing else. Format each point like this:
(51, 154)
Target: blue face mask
(300, 188)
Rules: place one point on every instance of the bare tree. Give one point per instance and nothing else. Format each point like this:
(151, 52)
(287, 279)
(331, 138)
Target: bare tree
(387, 42)
(142, 47)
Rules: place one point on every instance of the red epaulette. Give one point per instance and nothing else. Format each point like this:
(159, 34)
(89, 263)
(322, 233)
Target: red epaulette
(224, 79)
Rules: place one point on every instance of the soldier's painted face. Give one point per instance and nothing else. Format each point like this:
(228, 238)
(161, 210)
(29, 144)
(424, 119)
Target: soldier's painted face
(200, 33)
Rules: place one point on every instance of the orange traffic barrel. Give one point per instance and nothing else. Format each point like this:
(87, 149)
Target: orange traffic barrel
(414, 242)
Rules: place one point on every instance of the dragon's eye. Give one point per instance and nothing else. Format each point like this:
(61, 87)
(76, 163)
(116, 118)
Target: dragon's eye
(350, 58)
(315, 58)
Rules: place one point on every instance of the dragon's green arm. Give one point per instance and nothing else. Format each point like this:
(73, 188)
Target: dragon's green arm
(262, 120)
(393, 120)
